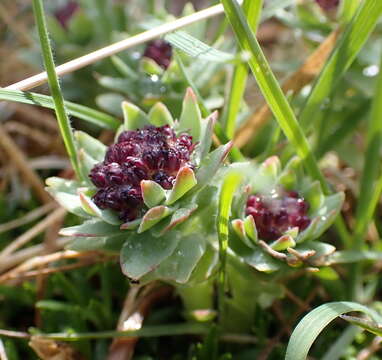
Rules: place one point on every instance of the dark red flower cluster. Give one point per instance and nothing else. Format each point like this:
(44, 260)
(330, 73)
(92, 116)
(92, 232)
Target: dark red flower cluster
(152, 153)
(160, 51)
(328, 4)
(65, 13)
(277, 212)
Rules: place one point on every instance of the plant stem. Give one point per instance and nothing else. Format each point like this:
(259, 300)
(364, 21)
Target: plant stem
(62, 117)
(371, 180)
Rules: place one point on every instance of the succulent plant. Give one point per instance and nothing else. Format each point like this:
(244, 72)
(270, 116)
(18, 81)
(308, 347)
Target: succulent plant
(150, 181)
(279, 214)
(328, 5)
(64, 13)
(160, 51)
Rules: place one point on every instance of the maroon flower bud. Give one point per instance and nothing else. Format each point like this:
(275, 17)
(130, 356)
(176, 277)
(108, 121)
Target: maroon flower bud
(65, 13)
(328, 5)
(98, 176)
(147, 154)
(160, 51)
(277, 212)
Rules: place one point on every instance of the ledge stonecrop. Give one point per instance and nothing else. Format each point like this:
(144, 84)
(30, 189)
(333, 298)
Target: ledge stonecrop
(328, 5)
(160, 51)
(280, 214)
(152, 153)
(148, 182)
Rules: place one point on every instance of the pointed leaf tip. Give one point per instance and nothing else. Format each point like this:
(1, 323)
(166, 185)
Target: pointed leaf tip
(272, 166)
(152, 217)
(134, 117)
(191, 119)
(185, 181)
(152, 193)
(159, 115)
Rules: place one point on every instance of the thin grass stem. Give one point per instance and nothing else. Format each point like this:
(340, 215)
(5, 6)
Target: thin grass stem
(62, 117)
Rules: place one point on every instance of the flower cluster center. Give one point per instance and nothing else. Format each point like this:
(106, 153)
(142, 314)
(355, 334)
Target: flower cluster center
(152, 153)
(278, 212)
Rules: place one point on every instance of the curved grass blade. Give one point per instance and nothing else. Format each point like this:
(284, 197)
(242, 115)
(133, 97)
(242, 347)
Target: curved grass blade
(79, 111)
(355, 35)
(315, 321)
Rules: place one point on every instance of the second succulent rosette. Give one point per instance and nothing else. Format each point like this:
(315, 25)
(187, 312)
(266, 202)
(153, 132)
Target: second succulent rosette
(280, 215)
(136, 192)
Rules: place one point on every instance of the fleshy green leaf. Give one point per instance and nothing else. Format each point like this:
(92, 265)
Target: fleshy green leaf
(179, 266)
(250, 228)
(271, 167)
(185, 181)
(153, 194)
(86, 163)
(210, 165)
(239, 228)
(204, 146)
(65, 193)
(92, 146)
(150, 67)
(143, 253)
(91, 228)
(92, 209)
(283, 243)
(190, 118)
(152, 217)
(159, 115)
(103, 243)
(179, 216)
(314, 196)
(134, 117)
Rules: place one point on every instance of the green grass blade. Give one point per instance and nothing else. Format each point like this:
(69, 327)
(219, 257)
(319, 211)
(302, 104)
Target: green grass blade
(371, 169)
(196, 48)
(315, 321)
(81, 112)
(348, 9)
(252, 10)
(271, 89)
(62, 117)
(355, 35)
(276, 100)
(230, 184)
(146, 331)
(371, 180)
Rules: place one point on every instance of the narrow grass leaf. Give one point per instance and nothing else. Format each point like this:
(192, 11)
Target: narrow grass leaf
(368, 325)
(196, 48)
(252, 10)
(371, 170)
(315, 321)
(271, 89)
(355, 35)
(62, 117)
(230, 184)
